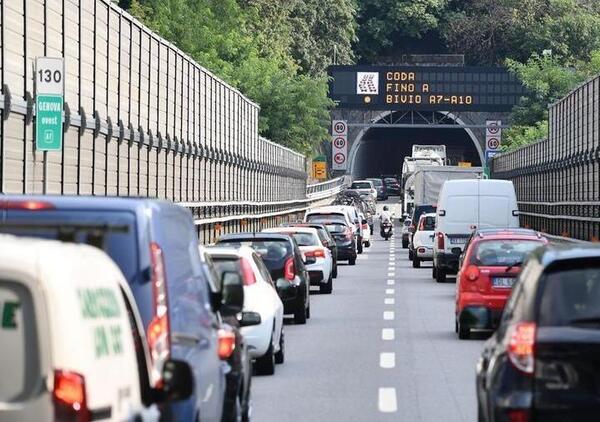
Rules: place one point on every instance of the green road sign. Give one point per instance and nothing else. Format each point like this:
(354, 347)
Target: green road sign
(48, 131)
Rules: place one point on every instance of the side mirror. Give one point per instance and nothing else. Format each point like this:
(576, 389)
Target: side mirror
(178, 380)
(248, 319)
(233, 294)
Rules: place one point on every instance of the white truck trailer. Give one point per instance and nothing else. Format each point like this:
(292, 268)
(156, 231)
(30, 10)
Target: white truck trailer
(427, 181)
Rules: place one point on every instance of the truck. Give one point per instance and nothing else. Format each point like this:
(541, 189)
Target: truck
(427, 181)
(423, 155)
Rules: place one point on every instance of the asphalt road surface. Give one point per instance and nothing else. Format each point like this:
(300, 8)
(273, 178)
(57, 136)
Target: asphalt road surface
(381, 347)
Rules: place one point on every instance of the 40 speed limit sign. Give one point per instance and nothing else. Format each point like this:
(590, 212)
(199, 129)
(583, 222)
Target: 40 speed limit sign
(339, 144)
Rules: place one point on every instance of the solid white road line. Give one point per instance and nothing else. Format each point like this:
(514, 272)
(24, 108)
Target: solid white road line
(387, 402)
(389, 301)
(388, 334)
(388, 315)
(389, 291)
(390, 282)
(387, 360)
(391, 274)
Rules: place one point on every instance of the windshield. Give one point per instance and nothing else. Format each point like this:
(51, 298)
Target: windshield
(427, 224)
(305, 239)
(325, 218)
(360, 185)
(391, 180)
(336, 228)
(224, 264)
(571, 296)
(502, 253)
(273, 252)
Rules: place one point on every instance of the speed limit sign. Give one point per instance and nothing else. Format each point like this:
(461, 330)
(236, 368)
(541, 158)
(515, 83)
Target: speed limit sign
(339, 142)
(340, 127)
(339, 158)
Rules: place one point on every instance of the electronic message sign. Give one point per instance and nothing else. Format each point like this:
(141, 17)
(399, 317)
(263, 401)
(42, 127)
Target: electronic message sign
(425, 88)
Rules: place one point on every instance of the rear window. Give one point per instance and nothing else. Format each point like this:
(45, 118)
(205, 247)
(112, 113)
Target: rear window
(390, 180)
(226, 265)
(325, 218)
(501, 253)
(428, 224)
(360, 185)
(336, 228)
(376, 182)
(571, 297)
(273, 252)
(306, 239)
(121, 246)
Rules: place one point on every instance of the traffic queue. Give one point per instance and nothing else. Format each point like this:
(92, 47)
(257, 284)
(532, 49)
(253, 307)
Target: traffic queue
(540, 300)
(111, 310)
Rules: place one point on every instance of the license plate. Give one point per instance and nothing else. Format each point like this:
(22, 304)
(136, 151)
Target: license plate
(503, 282)
(457, 240)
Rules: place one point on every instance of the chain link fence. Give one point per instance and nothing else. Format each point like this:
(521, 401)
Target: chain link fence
(141, 117)
(558, 179)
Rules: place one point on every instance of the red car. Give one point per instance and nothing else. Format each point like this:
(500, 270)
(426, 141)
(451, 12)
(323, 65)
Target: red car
(487, 270)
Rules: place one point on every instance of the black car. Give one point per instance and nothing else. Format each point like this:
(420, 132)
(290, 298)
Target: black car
(283, 258)
(326, 239)
(344, 240)
(238, 380)
(543, 362)
(382, 192)
(418, 211)
(392, 185)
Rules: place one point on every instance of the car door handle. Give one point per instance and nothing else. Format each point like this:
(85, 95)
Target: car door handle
(185, 339)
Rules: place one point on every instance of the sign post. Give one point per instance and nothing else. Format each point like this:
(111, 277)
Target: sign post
(493, 141)
(49, 85)
(339, 145)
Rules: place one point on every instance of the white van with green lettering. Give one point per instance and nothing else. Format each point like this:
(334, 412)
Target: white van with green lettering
(68, 335)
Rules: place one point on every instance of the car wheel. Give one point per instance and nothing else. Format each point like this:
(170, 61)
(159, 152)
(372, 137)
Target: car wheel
(440, 275)
(326, 288)
(464, 332)
(247, 412)
(433, 272)
(410, 255)
(480, 415)
(265, 365)
(405, 244)
(308, 312)
(352, 261)
(300, 315)
(334, 272)
(359, 248)
(416, 262)
(280, 356)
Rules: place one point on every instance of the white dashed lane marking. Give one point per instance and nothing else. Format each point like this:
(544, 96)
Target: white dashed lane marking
(389, 291)
(388, 315)
(388, 334)
(389, 301)
(387, 402)
(390, 282)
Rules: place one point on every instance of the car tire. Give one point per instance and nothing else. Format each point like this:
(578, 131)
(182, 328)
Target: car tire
(359, 248)
(410, 255)
(326, 288)
(352, 261)
(280, 356)
(300, 315)
(308, 311)
(440, 275)
(433, 272)
(335, 271)
(265, 365)
(464, 332)
(416, 262)
(405, 244)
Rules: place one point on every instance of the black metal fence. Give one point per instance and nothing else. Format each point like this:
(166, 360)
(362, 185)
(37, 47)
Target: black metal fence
(558, 179)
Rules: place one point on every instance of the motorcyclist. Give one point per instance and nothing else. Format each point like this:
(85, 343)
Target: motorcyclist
(385, 217)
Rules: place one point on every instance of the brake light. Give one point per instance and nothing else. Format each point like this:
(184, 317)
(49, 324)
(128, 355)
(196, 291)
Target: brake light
(158, 333)
(226, 344)
(472, 272)
(518, 415)
(247, 273)
(289, 270)
(26, 205)
(69, 397)
(316, 253)
(421, 250)
(440, 240)
(521, 346)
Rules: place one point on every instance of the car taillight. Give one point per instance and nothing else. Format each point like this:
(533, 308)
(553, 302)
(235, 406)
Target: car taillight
(472, 272)
(247, 273)
(518, 415)
(69, 397)
(26, 205)
(521, 346)
(158, 333)
(289, 269)
(315, 253)
(226, 344)
(440, 240)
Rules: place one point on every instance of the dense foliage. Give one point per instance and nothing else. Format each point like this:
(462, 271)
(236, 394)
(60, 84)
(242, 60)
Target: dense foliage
(277, 51)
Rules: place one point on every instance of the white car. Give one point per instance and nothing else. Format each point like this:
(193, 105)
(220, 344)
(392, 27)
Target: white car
(343, 213)
(319, 262)
(265, 340)
(364, 186)
(71, 336)
(423, 239)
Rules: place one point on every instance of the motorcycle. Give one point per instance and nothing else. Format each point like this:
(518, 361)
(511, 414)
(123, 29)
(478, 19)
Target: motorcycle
(386, 230)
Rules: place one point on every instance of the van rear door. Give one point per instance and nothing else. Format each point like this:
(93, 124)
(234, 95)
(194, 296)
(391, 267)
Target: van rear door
(461, 214)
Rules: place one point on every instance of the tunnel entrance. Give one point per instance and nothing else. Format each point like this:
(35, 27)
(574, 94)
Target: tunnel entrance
(381, 150)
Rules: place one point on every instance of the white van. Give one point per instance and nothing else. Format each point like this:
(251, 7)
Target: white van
(68, 322)
(466, 205)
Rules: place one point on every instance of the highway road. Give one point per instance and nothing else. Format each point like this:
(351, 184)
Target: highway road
(381, 347)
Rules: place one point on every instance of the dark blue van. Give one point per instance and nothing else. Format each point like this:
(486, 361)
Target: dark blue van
(155, 244)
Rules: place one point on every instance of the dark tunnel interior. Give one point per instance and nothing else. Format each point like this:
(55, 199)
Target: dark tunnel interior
(382, 150)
